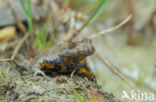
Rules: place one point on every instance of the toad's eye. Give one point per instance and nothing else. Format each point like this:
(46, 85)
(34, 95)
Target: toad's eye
(72, 44)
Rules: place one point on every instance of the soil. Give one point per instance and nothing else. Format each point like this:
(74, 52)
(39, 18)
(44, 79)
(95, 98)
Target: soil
(17, 88)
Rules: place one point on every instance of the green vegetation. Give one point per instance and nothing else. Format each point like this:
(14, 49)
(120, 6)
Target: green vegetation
(28, 13)
(42, 37)
(3, 74)
(102, 4)
(25, 73)
(81, 98)
(66, 2)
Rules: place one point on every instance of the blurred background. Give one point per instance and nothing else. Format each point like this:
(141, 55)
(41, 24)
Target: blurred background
(129, 50)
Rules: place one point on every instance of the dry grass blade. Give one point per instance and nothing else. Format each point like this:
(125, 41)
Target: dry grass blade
(19, 24)
(19, 46)
(16, 49)
(5, 60)
(146, 85)
(113, 69)
(111, 29)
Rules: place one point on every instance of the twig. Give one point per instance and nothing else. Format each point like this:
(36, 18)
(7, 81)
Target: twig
(71, 26)
(111, 29)
(19, 46)
(5, 60)
(114, 69)
(70, 3)
(16, 49)
(77, 32)
(102, 32)
(122, 76)
(72, 74)
(145, 85)
(19, 24)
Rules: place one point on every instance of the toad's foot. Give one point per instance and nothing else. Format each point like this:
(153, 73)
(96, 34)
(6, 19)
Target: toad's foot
(39, 73)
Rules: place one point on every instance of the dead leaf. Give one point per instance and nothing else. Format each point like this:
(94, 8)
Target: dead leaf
(8, 33)
(94, 95)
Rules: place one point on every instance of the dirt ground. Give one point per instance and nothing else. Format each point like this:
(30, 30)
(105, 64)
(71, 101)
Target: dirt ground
(16, 88)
